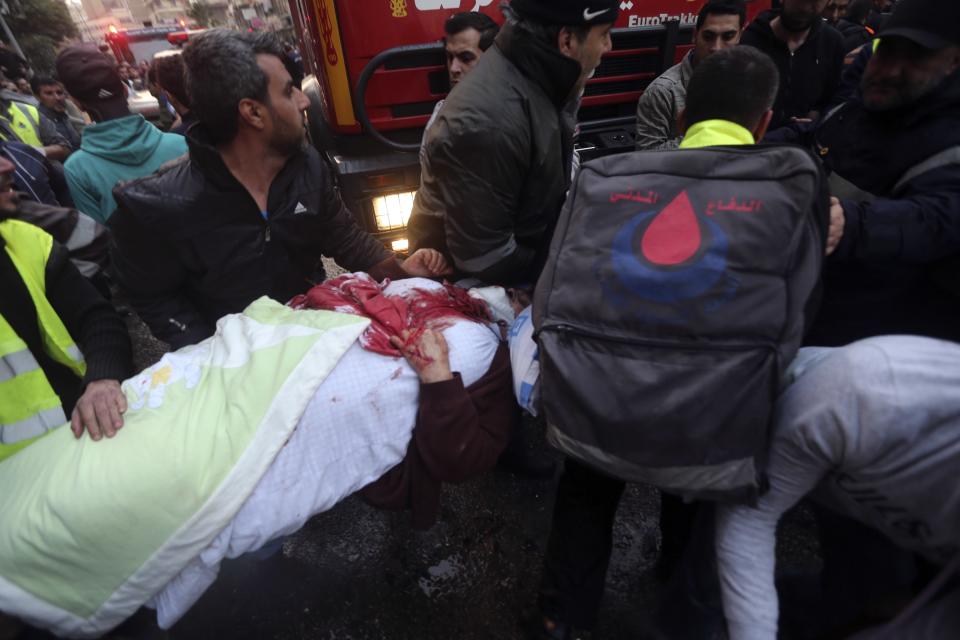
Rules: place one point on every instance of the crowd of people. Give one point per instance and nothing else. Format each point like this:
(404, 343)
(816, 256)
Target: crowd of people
(857, 102)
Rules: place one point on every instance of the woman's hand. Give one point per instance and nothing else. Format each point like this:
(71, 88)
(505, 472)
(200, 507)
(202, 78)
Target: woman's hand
(427, 353)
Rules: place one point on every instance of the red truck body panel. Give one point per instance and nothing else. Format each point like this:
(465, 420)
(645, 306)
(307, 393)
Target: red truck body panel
(340, 37)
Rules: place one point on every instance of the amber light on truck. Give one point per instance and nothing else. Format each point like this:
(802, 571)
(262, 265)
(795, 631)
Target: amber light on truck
(392, 212)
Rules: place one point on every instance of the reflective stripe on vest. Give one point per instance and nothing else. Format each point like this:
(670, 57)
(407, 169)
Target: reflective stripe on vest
(24, 121)
(32, 427)
(17, 364)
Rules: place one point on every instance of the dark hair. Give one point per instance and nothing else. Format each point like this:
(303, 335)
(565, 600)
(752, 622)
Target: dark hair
(13, 66)
(722, 8)
(546, 33)
(167, 69)
(737, 84)
(460, 22)
(42, 81)
(221, 70)
(858, 10)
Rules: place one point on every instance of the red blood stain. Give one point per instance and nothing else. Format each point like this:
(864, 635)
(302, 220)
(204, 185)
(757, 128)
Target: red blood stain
(674, 235)
(391, 315)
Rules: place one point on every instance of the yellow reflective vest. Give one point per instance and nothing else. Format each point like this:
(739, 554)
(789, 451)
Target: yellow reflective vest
(29, 407)
(24, 121)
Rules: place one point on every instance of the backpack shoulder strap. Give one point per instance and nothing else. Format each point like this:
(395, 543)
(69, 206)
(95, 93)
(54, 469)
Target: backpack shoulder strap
(948, 156)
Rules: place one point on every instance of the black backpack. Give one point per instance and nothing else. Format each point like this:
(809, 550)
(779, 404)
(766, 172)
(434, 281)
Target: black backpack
(672, 302)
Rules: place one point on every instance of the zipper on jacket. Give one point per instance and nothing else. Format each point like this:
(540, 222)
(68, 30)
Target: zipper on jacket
(567, 330)
(266, 233)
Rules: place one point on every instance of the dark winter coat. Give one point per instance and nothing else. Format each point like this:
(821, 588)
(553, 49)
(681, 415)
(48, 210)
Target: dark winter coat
(190, 244)
(897, 268)
(496, 163)
(809, 76)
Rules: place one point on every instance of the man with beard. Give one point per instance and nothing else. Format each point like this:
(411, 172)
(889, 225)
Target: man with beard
(63, 348)
(249, 212)
(894, 150)
(497, 162)
(808, 54)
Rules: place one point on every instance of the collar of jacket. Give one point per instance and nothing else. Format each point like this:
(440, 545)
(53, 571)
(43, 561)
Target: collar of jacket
(544, 65)
(714, 133)
(205, 156)
(761, 25)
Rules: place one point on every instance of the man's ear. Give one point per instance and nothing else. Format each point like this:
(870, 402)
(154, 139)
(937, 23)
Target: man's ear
(761, 129)
(682, 122)
(253, 113)
(567, 43)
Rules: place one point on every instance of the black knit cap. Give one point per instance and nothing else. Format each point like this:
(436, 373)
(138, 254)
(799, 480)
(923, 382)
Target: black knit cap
(568, 12)
(89, 75)
(933, 24)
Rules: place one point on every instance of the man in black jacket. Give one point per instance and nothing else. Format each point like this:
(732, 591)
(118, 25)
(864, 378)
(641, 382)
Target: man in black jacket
(807, 52)
(894, 150)
(249, 212)
(497, 161)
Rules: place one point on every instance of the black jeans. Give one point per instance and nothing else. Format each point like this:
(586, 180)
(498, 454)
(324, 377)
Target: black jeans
(581, 541)
(578, 550)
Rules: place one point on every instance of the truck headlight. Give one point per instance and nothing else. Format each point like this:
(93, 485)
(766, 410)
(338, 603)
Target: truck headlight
(393, 211)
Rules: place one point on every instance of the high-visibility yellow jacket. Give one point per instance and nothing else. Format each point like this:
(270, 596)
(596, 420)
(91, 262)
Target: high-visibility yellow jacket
(24, 120)
(29, 407)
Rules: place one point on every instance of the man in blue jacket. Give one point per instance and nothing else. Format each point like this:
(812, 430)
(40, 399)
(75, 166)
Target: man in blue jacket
(894, 150)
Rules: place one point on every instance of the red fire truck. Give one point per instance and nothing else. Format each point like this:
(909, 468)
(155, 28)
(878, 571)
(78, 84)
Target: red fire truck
(376, 69)
(139, 45)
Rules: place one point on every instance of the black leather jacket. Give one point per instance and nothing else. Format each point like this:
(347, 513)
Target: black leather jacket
(496, 163)
(191, 245)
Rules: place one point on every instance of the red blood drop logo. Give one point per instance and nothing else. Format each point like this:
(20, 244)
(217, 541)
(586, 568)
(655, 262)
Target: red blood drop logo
(674, 235)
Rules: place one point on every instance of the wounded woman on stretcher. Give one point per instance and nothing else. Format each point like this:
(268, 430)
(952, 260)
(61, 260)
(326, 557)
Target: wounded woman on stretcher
(461, 427)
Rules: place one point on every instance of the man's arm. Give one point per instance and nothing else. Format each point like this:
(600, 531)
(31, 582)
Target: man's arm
(477, 178)
(657, 119)
(353, 248)
(103, 340)
(746, 545)
(921, 227)
(356, 250)
(148, 270)
(55, 146)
